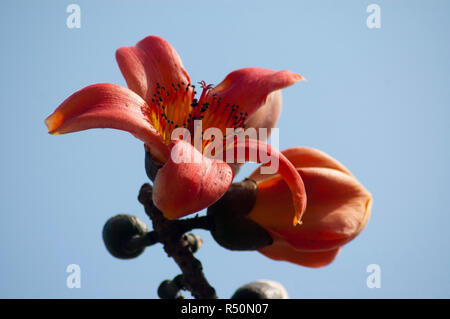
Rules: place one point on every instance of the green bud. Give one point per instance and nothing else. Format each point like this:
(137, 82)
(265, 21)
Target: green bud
(119, 234)
(168, 290)
(261, 289)
(232, 228)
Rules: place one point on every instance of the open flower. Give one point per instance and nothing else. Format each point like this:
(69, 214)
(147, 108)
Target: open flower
(255, 213)
(161, 98)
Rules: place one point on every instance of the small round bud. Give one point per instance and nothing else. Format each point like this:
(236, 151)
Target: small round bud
(168, 289)
(261, 289)
(119, 231)
(179, 281)
(194, 241)
(232, 228)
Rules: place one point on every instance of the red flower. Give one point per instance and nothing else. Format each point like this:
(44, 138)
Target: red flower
(160, 99)
(338, 209)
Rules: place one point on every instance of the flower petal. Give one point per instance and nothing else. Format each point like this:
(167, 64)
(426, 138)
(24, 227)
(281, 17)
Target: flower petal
(249, 87)
(280, 250)
(285, 168)
(302, 157)
(106, 105)
(337, 211)
(267, 115)
(153, 60)
(189, 182)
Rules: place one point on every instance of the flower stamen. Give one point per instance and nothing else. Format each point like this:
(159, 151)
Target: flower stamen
(176, 106)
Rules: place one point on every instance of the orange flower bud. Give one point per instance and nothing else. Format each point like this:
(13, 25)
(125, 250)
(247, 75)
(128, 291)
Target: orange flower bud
(337, 211)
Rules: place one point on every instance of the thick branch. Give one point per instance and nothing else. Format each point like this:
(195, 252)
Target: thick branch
(170, 234)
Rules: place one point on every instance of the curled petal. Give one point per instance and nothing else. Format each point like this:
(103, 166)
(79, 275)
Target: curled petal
(249, 87)
(106, 105)
(189, 181)
(302, 157)
(285, 168)
(152, 60)
(338, 209)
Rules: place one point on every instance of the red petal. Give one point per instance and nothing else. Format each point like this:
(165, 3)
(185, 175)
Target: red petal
(106, 105)
(189, 182)
(280, 250)
(249, 87)
(302, 157)
(338, 209)
(285, 168)
(152, 60)
(267, 115)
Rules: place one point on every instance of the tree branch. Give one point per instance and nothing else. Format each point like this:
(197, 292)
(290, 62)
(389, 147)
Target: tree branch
(170, 234)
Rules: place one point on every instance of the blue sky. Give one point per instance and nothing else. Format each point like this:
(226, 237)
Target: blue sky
(376, 99)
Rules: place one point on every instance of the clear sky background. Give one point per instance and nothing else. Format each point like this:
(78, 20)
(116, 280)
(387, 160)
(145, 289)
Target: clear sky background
(376, 99)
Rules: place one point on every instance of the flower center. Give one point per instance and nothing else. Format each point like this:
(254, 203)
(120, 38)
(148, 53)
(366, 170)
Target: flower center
(176, 106)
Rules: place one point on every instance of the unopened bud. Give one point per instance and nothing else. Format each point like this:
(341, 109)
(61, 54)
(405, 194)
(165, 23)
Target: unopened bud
(261, 289)
(232, 228)
(194, 241)
(169, 289)
(120, 233)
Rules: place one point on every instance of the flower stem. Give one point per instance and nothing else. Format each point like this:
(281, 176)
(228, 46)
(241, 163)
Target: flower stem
(146, 240)
(170, 234)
